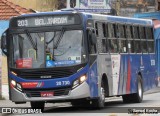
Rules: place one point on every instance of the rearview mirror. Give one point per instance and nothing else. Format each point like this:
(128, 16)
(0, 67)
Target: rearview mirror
(4, 43)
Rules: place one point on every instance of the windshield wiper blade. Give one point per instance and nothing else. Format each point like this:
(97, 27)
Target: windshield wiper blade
(34, 45)
(60, 38)
(51, 39)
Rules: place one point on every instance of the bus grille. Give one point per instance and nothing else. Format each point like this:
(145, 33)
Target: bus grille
(58, 92)
(47, 73)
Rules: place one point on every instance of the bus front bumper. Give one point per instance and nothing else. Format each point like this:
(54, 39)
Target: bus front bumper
(82, 91)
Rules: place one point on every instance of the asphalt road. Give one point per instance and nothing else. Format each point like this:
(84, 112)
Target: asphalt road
(113, 107)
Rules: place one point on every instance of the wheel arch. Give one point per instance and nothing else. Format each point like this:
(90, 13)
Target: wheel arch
(106, 85)
(141, 79)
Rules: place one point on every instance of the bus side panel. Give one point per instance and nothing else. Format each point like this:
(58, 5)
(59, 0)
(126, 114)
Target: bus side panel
(93, 80)
(127, 76)
(105, 68)
(145, 64)
(123, 75)
(157, 48)
(122, 72)
(149, 71)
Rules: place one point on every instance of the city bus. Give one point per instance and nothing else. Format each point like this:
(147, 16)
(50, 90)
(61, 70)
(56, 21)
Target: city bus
(82, 58)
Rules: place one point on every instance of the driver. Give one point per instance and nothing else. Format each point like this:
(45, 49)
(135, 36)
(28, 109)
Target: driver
(49, 55)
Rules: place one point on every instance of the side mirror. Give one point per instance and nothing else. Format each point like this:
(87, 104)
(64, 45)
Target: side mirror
(4, 43)
(92, 37)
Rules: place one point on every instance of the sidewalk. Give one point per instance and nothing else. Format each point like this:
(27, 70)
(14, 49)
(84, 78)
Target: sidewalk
(154, 90)
(5, 92)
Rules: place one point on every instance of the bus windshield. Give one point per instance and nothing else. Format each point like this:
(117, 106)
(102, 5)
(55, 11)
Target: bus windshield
(48, 49)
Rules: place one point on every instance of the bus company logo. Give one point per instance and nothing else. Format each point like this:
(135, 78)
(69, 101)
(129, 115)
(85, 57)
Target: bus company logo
(32, 84)
(6, 110)
(40, 84)
(46, 77)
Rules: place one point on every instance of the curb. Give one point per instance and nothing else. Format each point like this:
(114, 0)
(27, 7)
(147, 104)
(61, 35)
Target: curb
(153, 90)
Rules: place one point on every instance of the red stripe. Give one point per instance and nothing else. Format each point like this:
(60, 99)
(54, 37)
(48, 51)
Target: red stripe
(128, 77)
(29, 84)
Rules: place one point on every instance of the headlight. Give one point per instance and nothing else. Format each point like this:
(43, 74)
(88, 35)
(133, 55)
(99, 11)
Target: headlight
(13, 83)
(19, 87)
(16, 85)
(79, 81)
(75, 83)
(82, 78)
(14, 73)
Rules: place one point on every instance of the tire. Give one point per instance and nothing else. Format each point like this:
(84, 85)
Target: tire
(138, 97)
(135, 97)
(127, 98)
(37, 105)
(80, 103)
(99, 103)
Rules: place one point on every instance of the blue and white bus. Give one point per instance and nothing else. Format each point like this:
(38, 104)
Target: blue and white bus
(80, 58)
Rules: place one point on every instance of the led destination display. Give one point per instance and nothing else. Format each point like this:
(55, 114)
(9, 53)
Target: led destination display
(46, 21)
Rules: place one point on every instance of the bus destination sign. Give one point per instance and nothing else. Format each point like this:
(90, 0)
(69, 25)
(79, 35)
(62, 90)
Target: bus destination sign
(45, 21)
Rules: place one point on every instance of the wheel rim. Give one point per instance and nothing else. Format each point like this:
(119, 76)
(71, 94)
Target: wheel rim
(102, 94)
(139, 89)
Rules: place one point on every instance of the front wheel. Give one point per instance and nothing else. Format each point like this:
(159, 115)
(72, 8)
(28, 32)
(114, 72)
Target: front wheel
(99, 102)
(37, 105)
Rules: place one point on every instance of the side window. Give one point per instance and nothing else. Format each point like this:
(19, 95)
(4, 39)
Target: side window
(135, 32)
(137, 46)
(137, 41)
(150, 39)
(130, 46)
(120, 31)
(101, 37)
(151, 46)
(122, 45)
(129, 34)
(113, 45)
(149, 32)
(92, 48)
(111, 30)
(142, 34)
(144, 46)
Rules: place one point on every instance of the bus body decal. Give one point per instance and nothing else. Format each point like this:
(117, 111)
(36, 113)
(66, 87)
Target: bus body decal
(128, 77)
(115, 59)
(93, 80)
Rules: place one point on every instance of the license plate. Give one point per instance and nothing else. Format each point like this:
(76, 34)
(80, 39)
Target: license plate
(47, 94)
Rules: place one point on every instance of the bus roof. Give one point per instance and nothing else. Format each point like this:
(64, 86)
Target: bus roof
(107, 18)
(120, 19)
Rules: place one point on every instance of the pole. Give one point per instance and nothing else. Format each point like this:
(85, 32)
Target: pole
(118, 7)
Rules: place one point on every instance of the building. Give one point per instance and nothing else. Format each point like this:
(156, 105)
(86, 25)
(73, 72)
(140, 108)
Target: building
(38, 5)
(130, 7)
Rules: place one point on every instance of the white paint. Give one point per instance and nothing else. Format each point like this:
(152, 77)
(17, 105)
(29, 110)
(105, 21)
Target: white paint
(115, 59)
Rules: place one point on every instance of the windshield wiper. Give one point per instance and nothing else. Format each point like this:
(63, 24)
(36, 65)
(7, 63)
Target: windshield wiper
(34, 45)
(51, 39)
(60, 38)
